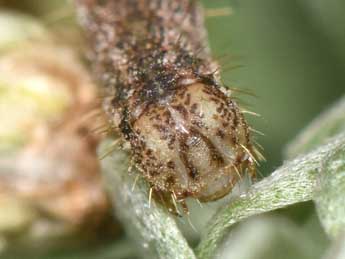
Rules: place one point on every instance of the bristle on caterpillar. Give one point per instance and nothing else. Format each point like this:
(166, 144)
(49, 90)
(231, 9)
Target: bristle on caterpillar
(164, 96)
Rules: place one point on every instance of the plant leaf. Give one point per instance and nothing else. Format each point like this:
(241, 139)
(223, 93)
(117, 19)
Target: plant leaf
(292, 183)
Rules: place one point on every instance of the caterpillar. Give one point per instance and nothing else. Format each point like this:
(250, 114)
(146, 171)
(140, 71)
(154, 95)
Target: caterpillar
(163, 94)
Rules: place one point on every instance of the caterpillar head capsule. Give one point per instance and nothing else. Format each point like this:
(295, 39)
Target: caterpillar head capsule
(193, 143)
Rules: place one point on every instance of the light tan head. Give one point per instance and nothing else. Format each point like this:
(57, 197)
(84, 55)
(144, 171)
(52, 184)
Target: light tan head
(194, 143)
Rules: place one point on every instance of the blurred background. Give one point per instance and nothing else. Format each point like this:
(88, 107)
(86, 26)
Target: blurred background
(289, 54)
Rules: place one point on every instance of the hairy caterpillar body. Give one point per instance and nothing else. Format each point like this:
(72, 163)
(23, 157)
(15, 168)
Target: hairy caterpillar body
(163, 94)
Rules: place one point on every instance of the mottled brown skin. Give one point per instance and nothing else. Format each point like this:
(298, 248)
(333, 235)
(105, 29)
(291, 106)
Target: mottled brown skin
(163, 94)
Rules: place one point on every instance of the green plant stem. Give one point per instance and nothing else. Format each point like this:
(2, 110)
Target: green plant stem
(292, 183)
(330, 195)
(150, 225)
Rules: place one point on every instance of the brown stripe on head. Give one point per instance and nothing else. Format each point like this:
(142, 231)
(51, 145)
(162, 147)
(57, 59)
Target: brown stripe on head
(185, 142)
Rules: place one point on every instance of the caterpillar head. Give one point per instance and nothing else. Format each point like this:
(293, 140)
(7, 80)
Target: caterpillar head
(194, 142)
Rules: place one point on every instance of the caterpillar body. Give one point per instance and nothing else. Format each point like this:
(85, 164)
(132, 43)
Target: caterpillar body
(163, 94)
